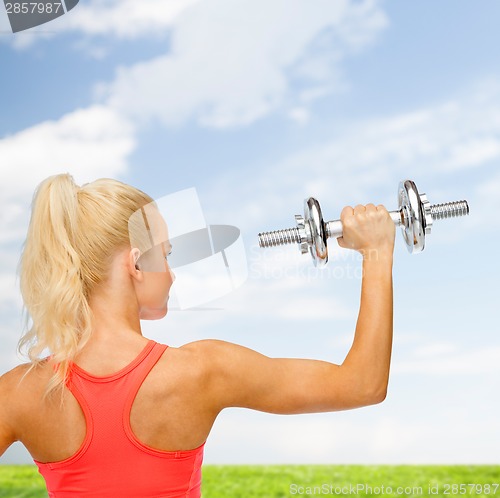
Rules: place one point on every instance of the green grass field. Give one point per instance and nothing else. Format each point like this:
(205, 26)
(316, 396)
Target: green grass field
(279, 481)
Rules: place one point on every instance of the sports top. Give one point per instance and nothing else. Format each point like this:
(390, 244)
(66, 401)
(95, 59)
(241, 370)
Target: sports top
(112, 462)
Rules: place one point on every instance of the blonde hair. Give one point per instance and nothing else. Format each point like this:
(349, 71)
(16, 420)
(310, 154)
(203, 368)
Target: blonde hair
(72, 236)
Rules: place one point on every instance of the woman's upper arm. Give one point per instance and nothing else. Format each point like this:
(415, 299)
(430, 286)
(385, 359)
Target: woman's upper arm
(7, 435)
(242, 377)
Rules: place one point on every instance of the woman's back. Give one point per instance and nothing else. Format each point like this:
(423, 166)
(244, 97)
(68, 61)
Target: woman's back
(167, 414)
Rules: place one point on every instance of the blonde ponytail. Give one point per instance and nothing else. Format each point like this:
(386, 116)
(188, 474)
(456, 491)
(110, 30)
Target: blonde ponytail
(72, 236)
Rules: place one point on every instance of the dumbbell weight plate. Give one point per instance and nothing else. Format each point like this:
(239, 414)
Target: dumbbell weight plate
(414, 217)
(315, 232)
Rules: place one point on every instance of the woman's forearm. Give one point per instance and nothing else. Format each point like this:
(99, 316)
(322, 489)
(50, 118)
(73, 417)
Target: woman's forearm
(369, 358)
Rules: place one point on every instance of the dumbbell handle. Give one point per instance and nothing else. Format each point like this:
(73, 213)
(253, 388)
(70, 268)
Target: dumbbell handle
(437, 211)
(334, 228)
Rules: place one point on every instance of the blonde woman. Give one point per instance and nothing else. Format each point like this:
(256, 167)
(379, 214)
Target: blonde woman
(110, 413)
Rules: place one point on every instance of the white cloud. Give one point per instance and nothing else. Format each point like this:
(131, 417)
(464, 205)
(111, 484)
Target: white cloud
(231, 63)
(126, 19)
(300, 115)
(86, 142)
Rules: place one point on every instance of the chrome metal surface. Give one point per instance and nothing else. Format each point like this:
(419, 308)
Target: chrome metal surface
(318, 236)
(414, 219)
(279, 237)
(397, 217)
(449, 210)
(334, 228)
(415, 216)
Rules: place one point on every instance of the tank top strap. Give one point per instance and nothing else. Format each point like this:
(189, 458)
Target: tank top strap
(136, 377)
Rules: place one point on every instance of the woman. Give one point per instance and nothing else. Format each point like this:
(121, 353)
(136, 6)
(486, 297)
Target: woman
(112, 414)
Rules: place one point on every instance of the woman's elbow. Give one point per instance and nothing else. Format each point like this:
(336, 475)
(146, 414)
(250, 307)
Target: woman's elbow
(376, 395)
(364, 396)
(362, 389)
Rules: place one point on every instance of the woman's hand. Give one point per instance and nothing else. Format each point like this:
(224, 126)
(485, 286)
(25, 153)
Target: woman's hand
(367, 229)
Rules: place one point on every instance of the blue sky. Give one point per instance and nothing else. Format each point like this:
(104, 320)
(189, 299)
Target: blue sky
(259, 104)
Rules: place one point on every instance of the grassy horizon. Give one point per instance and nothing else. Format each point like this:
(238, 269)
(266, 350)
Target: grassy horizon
(280, 481)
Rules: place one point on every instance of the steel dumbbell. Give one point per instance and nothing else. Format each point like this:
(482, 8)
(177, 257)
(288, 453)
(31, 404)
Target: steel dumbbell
(415, 216)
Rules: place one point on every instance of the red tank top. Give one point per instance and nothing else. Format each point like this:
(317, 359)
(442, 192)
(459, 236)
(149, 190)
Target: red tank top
(112, 462)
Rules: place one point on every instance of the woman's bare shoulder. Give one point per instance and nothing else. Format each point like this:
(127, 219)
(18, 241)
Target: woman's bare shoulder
(196, 358)
(26, 376)
(203, 346)
(204, 351)
(15, 374)
(210, 354)
(9, 382)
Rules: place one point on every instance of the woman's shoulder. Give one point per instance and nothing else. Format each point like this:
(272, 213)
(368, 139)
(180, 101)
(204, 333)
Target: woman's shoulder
(204, 346)
(191, 361)
(23, 378)
(10, 393)
(26, 378)
(15, 374)
(202, 352)
(210, 349)
(207, 354)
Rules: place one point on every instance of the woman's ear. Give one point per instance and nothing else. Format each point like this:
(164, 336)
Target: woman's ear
(135, 254)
